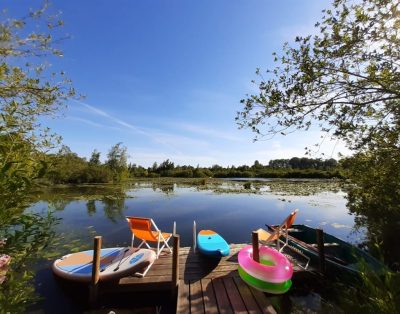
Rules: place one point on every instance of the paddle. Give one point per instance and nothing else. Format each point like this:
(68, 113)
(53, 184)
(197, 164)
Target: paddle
(123, 255)
(104, 268)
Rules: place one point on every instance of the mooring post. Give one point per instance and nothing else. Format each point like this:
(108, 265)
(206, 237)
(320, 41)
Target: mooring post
(194, 237)
(175, 265)
(174, 228)
(94, 284)
(321, 249)
(256, 252)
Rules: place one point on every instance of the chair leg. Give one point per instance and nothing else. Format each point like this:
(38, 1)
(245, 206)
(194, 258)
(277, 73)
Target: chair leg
(143, 242)
(142, 274)
(165, 244)
(158, 247)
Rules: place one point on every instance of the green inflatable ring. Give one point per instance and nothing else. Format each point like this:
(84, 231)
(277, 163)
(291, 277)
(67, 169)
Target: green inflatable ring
(275, 288)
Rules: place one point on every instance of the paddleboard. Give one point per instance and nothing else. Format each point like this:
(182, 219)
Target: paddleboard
(114, 263)
(212, 244)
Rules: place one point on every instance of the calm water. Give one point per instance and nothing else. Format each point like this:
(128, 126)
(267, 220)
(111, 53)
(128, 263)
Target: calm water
(226, 208)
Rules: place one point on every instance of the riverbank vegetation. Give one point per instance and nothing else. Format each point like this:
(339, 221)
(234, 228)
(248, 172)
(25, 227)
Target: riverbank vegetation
(66, 167)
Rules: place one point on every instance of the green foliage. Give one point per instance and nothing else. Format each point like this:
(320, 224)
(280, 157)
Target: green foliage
(28, 91)
(95, 158)
(378, 192)
(117, 161)
(70, 168)
(345, 80)
(27, 237)
(377, 293)
(303, 163)
(66, 167)
(375, 197)
(165, 169)
(247, 185)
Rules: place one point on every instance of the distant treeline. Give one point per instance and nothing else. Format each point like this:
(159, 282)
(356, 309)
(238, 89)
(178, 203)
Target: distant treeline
(67, 167)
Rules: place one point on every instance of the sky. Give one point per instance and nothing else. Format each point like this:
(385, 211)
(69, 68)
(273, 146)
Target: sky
(166, 78)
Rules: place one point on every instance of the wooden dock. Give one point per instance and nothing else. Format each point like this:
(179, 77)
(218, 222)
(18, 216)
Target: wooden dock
(203, 285)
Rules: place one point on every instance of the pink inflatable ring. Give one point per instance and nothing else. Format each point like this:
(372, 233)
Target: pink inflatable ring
(274, 267)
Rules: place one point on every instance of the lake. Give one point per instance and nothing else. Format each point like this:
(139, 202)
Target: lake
(230, 207)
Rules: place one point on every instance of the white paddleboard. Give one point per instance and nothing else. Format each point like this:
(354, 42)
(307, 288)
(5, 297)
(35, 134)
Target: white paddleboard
(114, 263)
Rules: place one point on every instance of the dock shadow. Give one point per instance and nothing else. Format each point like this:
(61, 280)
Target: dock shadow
(199, 266)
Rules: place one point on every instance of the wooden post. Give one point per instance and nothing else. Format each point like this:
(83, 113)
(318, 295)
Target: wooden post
(256, 252)
(175, 265)
(321, 249)
(95, 271)
(194, 237)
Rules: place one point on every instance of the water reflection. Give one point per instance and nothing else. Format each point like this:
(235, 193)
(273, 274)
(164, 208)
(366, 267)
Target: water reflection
(231, 207)
(167, 189)
(382, 237)
(91, 207)
(113, 208)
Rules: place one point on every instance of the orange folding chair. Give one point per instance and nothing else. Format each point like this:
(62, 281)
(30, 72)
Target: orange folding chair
(266, 237)
(142, 229)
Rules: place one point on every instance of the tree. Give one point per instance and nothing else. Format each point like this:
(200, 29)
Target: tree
(117, 161)
(117, 157)
(28, 91)
(346, 79)
(95, 158)
(165, 166)
(257, 165)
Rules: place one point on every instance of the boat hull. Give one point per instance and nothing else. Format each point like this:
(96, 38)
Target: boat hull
(341, 258)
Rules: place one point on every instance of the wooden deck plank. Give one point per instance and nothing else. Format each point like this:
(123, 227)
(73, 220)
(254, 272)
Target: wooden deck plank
(248, 298)
(263, 301)
(193, 266)
(196, 298)
(234, 296)
(183, 301)
(223, 303)
(206, 285)
(210, 302)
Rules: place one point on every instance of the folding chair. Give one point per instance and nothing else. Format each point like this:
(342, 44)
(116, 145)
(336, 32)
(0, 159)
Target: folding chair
(266, 237)
(142, 229)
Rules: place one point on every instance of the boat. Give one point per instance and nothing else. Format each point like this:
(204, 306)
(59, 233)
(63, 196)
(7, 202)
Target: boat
(114, 263)
(341, 258)
(212, 244)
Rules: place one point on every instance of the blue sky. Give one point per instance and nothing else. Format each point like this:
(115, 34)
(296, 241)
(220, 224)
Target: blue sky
(166, 77)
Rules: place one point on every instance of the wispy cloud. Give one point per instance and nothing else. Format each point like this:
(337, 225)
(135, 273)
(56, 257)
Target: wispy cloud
(127, 125)
(207, 131)
(112, 118)
(169, 140)
(90, 122)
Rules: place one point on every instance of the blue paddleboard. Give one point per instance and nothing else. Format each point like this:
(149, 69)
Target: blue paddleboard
(212, 244)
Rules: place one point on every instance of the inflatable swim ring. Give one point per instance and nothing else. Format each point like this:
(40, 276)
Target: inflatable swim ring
(272, 274)
(275, 288)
